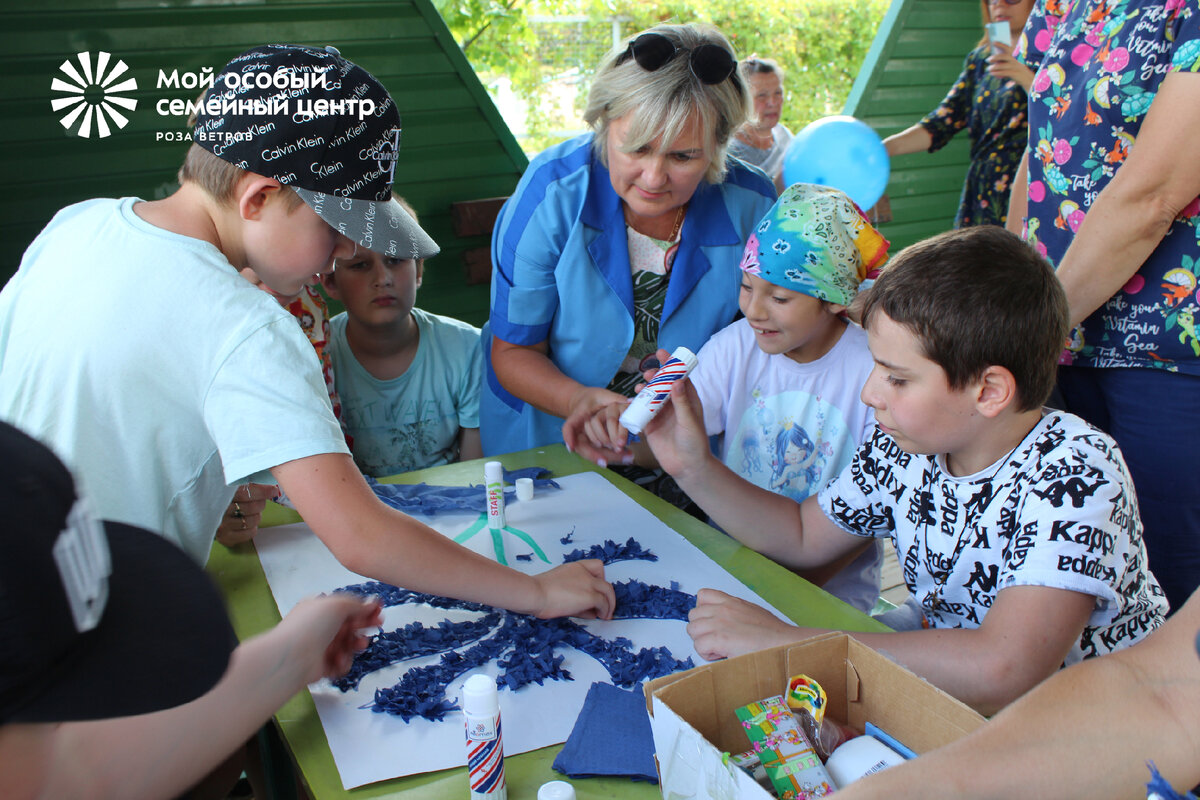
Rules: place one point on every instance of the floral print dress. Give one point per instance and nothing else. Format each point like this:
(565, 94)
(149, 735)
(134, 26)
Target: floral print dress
(1098, 66)
(993, 112)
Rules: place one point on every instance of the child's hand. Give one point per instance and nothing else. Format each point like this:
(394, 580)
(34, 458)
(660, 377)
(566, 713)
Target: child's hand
(722, 626)
(324, 633)
(577, 589)
(677, 436)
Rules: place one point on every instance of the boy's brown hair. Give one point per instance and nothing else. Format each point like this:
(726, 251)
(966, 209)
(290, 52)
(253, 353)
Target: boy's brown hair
(219, 178)
(978, 297)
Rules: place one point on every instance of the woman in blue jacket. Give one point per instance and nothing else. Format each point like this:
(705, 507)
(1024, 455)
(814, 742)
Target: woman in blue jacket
(621, 241)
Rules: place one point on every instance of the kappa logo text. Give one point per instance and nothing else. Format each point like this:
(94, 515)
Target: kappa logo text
(93, 95)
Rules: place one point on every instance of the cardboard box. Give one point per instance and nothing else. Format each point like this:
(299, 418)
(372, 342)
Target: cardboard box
(694, 725)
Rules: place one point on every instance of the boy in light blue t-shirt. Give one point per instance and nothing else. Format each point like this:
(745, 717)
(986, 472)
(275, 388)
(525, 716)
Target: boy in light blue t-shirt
(408, 379)
(241, 399)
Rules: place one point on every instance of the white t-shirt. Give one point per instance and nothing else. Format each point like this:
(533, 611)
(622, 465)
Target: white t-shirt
(788, 427)
(769, 160)
(1059, 511)
(160, 376)
(413, 421)
(791, 427)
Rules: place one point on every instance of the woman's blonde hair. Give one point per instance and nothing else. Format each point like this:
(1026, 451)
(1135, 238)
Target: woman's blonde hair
(661, 103)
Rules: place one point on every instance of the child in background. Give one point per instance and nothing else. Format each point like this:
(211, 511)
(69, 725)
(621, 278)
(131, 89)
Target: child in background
(238, 396)
(312, 312)
(408, 379)
(1016, 526)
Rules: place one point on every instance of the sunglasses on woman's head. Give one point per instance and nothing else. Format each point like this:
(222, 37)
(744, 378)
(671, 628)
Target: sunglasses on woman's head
(1007, 2)
(710, 63)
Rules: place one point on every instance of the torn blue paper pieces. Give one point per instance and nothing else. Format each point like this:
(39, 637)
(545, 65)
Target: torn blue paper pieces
(610, 552)
(427, 498)
(526, 649)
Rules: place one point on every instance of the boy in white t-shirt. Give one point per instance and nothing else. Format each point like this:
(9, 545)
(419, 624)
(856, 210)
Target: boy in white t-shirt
(408, 379)
(781, 386)
(208, 384)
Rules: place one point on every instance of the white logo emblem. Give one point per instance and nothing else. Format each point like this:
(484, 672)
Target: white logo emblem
(93, 94)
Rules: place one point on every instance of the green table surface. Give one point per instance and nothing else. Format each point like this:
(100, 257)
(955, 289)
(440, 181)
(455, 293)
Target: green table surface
(253, 610)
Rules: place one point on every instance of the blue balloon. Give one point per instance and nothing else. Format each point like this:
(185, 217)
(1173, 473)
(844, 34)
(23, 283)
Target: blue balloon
(841, 152)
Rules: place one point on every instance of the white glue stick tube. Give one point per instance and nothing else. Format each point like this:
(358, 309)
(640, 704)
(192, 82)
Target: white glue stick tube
(485, 741)
(652, 396)
(493, 481)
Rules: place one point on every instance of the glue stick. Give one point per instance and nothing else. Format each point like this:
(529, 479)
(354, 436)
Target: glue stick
(652, 396)
(493, 480)
(485, 745)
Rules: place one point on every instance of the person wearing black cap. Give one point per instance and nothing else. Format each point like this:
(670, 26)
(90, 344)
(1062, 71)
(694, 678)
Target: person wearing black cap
(118, 676)
(164, 379)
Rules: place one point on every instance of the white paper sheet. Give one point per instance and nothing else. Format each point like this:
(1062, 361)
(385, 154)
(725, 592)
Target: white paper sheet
(370, 747)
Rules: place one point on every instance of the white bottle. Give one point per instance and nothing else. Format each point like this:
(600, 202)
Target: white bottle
(485, 743)
(652, 396)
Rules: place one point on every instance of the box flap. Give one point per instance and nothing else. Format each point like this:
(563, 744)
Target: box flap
(905, 705)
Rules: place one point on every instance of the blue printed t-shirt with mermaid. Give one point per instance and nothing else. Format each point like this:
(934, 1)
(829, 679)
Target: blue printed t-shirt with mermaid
(1101, 64)
(788, 427)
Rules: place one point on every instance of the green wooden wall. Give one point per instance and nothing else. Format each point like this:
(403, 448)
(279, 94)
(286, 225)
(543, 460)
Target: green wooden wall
(454, 145)
(914, 59)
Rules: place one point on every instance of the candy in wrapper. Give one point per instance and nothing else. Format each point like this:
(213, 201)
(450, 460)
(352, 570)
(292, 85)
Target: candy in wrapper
(805, 694)
(807, 700)
(790, 761)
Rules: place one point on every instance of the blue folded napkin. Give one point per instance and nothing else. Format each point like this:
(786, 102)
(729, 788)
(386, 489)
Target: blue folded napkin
(425, 498)
(611, 737)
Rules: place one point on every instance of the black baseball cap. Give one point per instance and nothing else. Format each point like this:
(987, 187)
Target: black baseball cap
(321, 125)
(97, 619)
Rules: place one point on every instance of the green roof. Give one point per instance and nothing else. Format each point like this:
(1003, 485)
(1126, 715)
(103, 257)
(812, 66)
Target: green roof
(455, 146)
(914, 60)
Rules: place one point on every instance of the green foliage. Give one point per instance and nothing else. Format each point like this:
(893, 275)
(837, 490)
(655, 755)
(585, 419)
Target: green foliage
(820, 44)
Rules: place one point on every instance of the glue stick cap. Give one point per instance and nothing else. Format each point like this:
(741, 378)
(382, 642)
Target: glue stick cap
(556, 790)
(479, 696)
(525, 489)
(493, 472)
